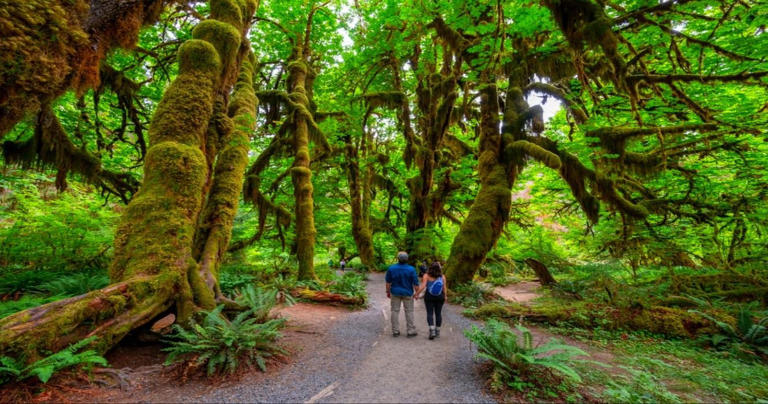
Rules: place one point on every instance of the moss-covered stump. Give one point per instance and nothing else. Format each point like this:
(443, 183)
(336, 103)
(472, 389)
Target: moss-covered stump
(667, 321)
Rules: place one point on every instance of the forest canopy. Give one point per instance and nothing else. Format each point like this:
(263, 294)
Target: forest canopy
(165, 144)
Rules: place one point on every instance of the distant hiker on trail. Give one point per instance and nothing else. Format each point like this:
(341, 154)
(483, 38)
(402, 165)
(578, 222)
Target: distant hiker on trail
(422, 268)
(401, 283)
(434, 298)
(343, 264)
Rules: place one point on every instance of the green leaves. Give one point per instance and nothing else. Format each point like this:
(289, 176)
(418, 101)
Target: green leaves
(220, 344)
(43, 369)
(515, 359)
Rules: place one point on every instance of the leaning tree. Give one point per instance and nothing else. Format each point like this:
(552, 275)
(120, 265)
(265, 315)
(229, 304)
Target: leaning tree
(176, 228)
(647, 87)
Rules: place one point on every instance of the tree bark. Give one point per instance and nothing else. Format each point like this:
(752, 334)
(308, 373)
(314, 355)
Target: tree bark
(542, 272)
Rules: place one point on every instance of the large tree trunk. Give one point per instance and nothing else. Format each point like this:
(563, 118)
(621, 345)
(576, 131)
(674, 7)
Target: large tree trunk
(35, 69)
(359, 182)
(301, 174)
(485, 220)
(154, 265)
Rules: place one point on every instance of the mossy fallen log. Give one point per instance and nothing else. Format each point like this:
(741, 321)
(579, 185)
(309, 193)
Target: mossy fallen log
(324, 296)
(672, 322)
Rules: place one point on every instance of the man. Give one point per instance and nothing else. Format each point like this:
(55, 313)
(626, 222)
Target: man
(401, 283)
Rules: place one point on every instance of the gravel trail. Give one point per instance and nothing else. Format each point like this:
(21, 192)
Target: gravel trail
(359, 361)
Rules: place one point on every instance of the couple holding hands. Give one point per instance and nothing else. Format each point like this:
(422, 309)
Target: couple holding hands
(403, 287)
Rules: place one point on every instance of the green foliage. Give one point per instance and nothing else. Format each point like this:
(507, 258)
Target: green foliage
(25, 302)
(232, 281)
(75, 284)
(67, 231)
(749, 333)
(349, 284)
(43, 369)
(221, 344)
(472, 295)
(284, 286)
(260, 301)
(517, 360)
(639, 387)
(23, 281)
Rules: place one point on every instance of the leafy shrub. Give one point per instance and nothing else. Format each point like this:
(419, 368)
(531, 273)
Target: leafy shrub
(571, 288)
(349, 284)
(514, 361)
(75, 284)
(12, 369)
(284, 285)
(71, 231)
(26, 302)
(473, 294)
(260, 301)
(220, 344)
(232, 281)
(748, 332)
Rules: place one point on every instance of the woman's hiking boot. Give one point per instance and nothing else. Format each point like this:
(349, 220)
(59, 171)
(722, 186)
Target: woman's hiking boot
(432, 332)
(437, 331)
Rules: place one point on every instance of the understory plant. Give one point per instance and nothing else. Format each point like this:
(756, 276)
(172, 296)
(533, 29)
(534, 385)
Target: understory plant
(514, 357)
(16, 370)
(220, 344)
(259, 300)
(749, 333)
(349, 284)
(472, 295)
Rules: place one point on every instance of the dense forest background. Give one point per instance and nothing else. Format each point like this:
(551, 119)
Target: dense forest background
(157, 155)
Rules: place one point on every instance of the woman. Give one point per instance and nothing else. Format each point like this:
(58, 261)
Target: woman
(434, 297)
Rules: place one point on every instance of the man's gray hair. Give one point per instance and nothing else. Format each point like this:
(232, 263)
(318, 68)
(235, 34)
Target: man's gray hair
(402, 257)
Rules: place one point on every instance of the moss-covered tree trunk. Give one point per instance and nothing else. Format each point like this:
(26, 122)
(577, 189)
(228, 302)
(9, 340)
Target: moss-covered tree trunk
(301, 174)
(154, 264)
(485, 220)
(436, 95)
(359, 182)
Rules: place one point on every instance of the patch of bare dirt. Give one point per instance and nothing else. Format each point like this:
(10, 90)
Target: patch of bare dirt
(521, 292)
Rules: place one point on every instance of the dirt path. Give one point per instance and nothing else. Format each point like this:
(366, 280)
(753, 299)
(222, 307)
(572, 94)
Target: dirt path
(338, 356)
(359, 361)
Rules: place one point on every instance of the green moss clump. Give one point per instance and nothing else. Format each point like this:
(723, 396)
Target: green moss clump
(229, 11)
(224, 37)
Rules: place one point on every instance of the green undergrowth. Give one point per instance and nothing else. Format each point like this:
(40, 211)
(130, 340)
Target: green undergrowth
(651, 368)
(222, 345)
(24, 289)
(349, 284)
(75, 355)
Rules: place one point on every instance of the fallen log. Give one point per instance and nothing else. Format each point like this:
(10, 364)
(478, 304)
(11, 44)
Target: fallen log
(324, 296)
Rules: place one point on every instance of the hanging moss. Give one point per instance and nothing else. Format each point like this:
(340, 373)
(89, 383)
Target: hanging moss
(550, 160)
(51, 46)
(33, 67)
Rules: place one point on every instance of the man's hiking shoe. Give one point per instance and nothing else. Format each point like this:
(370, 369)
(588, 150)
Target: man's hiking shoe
(409, 335)
(432, 333)
(395, 333)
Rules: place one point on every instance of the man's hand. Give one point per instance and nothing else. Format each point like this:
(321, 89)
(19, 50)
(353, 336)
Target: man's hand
(389, 295)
